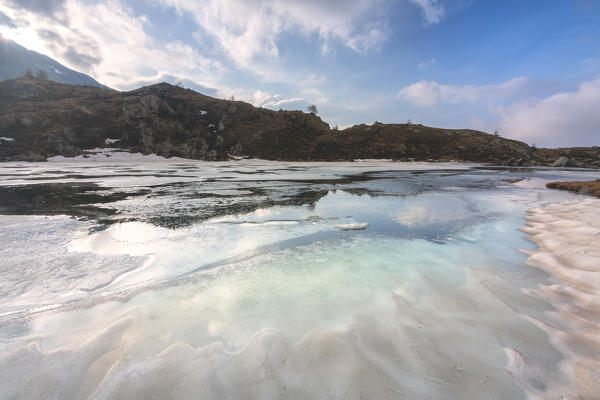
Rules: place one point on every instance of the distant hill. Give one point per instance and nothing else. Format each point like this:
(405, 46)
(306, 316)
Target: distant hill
(40, 118)
(16, 60)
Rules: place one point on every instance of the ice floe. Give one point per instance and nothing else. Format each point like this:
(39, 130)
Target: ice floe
(353, 227)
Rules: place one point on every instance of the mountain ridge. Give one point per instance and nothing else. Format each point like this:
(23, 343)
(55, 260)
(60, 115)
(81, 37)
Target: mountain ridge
(16, 61)
(45, 119)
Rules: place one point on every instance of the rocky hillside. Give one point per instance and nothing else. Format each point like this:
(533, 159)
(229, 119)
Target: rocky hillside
(45, 118)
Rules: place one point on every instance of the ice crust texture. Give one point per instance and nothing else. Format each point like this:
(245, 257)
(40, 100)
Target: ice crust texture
(440, 296)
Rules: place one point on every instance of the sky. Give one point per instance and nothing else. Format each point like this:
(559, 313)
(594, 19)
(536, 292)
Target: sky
(529, 70)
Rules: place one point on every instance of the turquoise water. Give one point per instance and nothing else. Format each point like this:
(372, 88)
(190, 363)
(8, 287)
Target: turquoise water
(276, 302)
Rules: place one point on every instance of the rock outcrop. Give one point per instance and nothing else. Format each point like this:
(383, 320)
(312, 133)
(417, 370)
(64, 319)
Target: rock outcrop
(46, 119)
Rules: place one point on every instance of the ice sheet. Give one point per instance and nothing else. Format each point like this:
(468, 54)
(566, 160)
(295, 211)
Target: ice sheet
(435, 299)
(140, 172)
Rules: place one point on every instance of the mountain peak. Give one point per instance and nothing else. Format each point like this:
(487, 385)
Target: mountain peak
(16, 61)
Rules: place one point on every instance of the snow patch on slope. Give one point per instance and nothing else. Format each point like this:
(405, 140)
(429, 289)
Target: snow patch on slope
(113, 154)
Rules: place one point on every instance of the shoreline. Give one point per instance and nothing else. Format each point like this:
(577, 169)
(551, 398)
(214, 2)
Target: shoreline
(583, 187)
(567, 236)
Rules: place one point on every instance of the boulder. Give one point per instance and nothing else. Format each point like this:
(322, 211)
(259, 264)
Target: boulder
(561, 162)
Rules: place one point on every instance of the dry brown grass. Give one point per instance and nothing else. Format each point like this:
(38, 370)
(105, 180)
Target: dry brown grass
(586, 187)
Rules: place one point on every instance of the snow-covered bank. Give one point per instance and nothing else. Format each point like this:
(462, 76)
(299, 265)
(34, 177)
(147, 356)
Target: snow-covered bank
(568, 237)
(112, 155)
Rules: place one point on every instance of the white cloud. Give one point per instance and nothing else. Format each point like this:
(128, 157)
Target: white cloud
(429, 93)
(426, 64)
(110, 42)
(563, 119)
(310, 95)
(433, 10)
(370, 39)
(263, 99)
(250, 29)
(259, 98)
(314, 95)
(281, 103)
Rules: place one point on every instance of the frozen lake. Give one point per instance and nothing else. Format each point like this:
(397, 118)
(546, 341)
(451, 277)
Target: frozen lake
(241, 280)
